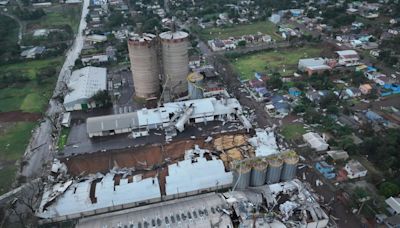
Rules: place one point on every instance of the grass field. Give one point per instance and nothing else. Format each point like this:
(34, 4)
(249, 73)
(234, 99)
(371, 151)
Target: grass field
(31, 68)
(7, 174)
(264, 27)
(285, 61)
(14, 141)
(293, 131)
(58, 15)
(63, 138)
(12, 146)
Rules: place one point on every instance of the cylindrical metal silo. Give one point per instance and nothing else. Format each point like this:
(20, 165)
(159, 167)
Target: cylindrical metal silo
(274, 170)
(241, 175)
(175, 60)
(290, 160)
(258, 172)
(144, 64)
(195, 85)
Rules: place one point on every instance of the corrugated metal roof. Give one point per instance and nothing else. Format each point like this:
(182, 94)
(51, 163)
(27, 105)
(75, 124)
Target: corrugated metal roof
(187, 176)
(86, 82)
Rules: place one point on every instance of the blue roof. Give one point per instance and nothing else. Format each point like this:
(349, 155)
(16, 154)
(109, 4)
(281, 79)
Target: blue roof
(373, 116)
(277, 98)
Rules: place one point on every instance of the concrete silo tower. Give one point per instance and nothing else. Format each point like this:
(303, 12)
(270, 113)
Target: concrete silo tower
(174, 46)
(144, 64)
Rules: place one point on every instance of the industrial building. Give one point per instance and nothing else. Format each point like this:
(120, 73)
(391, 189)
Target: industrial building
(285, 204)
(83, 84)
(144, 64)
(171, 117)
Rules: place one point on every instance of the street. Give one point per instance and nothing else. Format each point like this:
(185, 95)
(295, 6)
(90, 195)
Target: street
(41, 147)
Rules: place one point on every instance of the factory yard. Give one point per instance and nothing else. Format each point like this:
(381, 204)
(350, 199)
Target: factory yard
(265, 27)
(284, 62)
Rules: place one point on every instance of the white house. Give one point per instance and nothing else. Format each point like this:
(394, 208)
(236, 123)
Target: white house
(348, 58)
(394, 204)
(315, 141)
(354, 169)
(83, 84)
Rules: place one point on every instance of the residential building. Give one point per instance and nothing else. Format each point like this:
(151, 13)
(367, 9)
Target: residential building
(354, 169)
(315, 141)
(348, 58)
(33, 52)
(295, 92)
(365, 89)
(313, 65)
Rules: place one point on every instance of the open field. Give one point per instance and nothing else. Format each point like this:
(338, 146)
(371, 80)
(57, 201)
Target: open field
(264, 27)
(13, 141)
(284, 62)
(31, 67)
(293, 131)
(29, 97)
(58, 15)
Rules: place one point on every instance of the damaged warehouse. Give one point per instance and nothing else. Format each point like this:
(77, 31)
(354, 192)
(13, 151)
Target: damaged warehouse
(190, 174)
(171, 117)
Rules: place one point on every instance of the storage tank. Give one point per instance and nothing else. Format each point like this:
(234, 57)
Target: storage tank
(195, 85)
(144, 64)
(290, 160)
(241, 174)
(258, 172)
(174, 45)
(274, 170)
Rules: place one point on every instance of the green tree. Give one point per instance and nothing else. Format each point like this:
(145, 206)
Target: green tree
(102, 98)
(389, 189)
(275, 81)
(242, 43)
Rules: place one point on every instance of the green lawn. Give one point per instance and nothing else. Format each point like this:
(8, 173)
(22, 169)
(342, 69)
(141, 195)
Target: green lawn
(293, 131)
(264, 27)
(14, 141)
(7, 175)
(63, 138)
(28, 98)
(31, 67)
(58, 15)
(283, 61)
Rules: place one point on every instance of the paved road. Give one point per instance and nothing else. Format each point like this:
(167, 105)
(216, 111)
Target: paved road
(41, 147)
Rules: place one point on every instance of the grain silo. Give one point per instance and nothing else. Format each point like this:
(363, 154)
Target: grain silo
(290, 160)
(174, 46)
(144, 64)
(241, 174)
(258, 172)
(195, 85)
(274, 170)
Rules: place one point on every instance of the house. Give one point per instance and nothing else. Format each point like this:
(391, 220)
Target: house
(84, 83)
(325, 169)
(194, 61)
(337, 155)
(313, 65)
(315, 141)
(394, 205)
(348, 58)
(295, 92)
(266, 38)
(382, 80)
(365, 89)
(41, 32)
(95, 38)
(353, 92)
(373, 116)
(392, 221)
(94, 59)
(66, 119)
(281, 106)
(33, 52)
(316, 96)
(354, 169)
